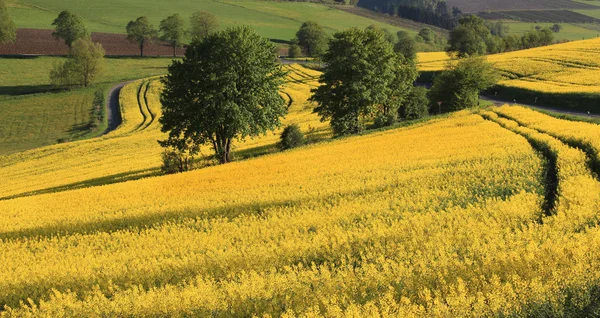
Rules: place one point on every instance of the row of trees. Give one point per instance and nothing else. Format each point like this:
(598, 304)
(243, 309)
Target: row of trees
(70, 27)
(473, 36)
(433, 12)
(311, 40)
(227, 88)
(171, 29)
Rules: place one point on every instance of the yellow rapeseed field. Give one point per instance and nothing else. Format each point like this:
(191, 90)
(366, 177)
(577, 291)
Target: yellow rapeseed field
(572, 67)
(132, 151)
(477, 214)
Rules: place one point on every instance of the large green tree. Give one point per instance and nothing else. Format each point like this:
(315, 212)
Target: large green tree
(458, 87)
(312, 38)
(83, 65)
(69, 27)
(470, 37)
(364, 78)
(172, 30)
(225, 88)
(141, 31)
(202, 24)
(8, 29)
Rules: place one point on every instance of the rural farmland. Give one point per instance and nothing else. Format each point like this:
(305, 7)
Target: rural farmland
(248, 158)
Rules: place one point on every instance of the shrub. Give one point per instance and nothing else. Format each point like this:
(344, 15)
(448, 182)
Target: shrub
(291, 137)
(384, 120)
(174, 161)
(416, 105)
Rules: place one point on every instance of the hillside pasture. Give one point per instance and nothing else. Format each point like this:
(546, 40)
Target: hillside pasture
(550, 16)
(471, 6)
(274, 20)
(41, 42)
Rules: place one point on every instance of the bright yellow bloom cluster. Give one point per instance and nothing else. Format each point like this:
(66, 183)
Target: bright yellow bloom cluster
(132, 150)
(572, 67)
(440, 219)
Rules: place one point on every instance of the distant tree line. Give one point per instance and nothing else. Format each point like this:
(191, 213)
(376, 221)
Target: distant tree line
(172, 29)
(433, 12)
(473, 36)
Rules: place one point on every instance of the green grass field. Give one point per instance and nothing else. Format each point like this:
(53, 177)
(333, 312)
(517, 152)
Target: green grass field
(275, 20)
(569, 32)
(42, 117)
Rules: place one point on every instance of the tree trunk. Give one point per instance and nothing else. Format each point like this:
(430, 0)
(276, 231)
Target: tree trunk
(174, 52)
(142, 49)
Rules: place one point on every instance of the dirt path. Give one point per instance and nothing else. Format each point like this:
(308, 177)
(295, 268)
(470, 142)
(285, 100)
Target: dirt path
(113, 111)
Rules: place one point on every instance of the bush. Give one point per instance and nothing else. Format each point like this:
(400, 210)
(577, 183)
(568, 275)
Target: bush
(291, 137)
(384, 120)
(416, 105)
(174, 161)
(294, 51)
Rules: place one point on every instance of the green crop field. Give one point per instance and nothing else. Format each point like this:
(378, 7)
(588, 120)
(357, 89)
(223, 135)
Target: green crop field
(275, 20)
(569, 32)
(44, 117)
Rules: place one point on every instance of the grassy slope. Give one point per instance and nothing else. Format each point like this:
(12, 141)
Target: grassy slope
(569, 32)
(276, 20)
(30, 121)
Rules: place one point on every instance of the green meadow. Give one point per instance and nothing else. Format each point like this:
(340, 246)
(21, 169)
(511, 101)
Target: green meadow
(33, 114)
(274, 20)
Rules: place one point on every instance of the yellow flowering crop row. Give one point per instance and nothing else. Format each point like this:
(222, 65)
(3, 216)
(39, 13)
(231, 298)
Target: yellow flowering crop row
(131, 151)
(575, 209)
(572, 67)
(437, 219)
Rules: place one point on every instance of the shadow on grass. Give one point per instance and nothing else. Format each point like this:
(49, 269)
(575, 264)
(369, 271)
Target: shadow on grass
(29, 89)
(116, 178)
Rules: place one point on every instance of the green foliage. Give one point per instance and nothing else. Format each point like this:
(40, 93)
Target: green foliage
(8, 29)
(69, 27)
(226, 88)
(406, 46)
(416, 105)
(427, 35)
(294, 49)
(498, 28)
(312, 38)
(140, 31)
(174, 161)
(556, 28)
(364, 77)
(469, 37)
(172, 30)
(291, 137)
(82, 66)
(537, 37)
(202, 24)
(458, 86)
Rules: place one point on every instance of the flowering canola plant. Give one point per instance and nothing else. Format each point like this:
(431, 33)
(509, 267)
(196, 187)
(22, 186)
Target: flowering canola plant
(572, 67)
(444, 218)
(131, 151)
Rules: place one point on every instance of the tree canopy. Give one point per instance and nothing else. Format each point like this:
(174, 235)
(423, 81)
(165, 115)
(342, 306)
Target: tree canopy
(202, 24)
(469, 38)
(69, 27)
(458, 86)
(8, 29)
(83, 65)
(225, 88)
(172, 30)
(312, 39)
(140, 31)
(364, 78)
